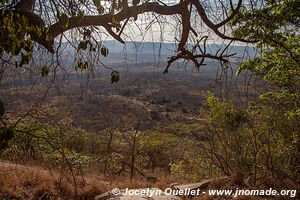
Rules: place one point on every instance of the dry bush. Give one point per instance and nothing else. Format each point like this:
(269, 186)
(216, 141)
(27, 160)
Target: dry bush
(162, 182)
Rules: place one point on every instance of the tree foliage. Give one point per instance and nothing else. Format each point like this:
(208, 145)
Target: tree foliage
(42, 22)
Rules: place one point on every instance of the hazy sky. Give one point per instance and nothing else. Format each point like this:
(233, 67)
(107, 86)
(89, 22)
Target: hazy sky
(156, 28)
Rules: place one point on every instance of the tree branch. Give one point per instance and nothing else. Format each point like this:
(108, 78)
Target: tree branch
(105, 20)
(233, 14)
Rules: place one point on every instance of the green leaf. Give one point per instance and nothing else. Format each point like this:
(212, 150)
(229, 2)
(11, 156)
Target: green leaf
(82, 45)
(115, 76)
(104, 51)
(100, 9)
(87, 34)
(45, 70)
(81, 65)
(25, 58)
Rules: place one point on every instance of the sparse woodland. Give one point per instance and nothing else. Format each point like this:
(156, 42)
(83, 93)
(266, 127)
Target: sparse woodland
(70, 142)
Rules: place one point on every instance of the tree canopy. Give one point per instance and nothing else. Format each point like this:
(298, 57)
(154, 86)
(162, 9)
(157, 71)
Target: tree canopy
(24, 22)
(262, 22)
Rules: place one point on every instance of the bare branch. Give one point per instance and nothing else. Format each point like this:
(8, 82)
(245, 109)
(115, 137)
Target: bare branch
(183, 9)
(233, 14)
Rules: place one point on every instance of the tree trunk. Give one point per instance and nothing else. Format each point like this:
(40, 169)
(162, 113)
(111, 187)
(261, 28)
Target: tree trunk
(108, 150)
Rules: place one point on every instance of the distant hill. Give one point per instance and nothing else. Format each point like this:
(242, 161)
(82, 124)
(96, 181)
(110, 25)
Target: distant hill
(152, 52)
(167, 49)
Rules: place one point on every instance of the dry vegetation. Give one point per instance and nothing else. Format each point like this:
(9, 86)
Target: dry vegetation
(27, 182)
(148, 132)
(34, 182)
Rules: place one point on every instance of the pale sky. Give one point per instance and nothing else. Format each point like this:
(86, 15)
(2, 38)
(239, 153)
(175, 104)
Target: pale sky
(166, 28)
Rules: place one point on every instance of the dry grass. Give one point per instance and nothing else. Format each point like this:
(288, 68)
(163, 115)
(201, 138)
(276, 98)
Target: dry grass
(21, 182)
(32, 182)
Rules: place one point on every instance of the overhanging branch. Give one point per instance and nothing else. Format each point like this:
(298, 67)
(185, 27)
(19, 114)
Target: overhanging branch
(183, 9)
(154, 7)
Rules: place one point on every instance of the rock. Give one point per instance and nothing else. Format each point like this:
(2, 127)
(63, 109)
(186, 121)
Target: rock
(195, 186)
(104, 196)
(192, 186)
(172, 185)
(136, 194)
